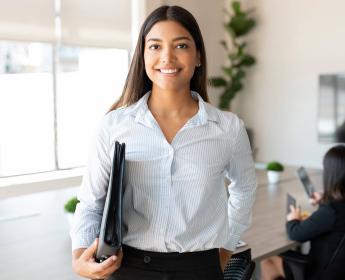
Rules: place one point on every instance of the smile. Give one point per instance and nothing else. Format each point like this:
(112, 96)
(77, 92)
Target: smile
(169, 71)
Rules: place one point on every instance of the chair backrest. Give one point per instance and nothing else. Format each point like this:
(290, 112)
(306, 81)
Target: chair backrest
(335, 267)
(240, 266)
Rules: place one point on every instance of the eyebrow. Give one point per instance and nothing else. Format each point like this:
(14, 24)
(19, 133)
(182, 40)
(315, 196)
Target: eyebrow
(175, 39)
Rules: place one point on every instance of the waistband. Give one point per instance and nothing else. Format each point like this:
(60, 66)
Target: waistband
(169, 261)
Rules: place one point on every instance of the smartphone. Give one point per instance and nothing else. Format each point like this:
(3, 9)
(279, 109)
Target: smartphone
(290, 200)
(306, 183)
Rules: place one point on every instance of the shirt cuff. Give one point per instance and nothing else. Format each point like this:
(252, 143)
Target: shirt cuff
(232, 242)
(83, 241)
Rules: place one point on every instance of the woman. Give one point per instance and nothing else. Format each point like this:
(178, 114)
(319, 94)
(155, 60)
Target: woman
(178, 221)
(325, 228)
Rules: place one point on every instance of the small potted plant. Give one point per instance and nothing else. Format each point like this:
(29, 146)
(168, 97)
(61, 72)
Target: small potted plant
(70, 207)
(274, 168)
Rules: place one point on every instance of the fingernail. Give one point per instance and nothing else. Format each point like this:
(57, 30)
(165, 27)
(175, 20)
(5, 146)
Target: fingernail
(113, 258)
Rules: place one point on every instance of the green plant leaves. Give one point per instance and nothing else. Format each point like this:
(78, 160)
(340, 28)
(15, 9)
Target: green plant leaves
(275, 166)
(241, 25)
(71, 205)
(238, 25)
(218, 82)
(236, 6)
(246, 60)
(227, 70)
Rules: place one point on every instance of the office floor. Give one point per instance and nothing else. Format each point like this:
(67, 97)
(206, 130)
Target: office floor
(34, 238)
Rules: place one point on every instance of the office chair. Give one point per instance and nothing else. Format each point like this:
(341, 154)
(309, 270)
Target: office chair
(240, 266)
(295, 265)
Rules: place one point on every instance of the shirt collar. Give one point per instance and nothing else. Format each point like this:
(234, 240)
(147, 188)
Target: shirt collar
(143, 115)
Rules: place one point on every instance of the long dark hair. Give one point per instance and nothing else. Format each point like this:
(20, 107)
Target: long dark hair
(334, 174)
(137, 82)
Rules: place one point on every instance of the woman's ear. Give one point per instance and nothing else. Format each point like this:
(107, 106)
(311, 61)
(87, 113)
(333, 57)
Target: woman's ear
(198, 60)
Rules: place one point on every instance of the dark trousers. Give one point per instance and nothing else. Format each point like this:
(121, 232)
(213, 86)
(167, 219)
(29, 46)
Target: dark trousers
(145, 265)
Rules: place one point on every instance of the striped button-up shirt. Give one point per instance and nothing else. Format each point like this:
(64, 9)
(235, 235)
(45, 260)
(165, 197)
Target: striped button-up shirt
(175, 199)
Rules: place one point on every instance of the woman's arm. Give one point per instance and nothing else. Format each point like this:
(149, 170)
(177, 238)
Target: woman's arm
(225, 256)
(88, 214)
(92, 193)
(320, 222)
(242, 190)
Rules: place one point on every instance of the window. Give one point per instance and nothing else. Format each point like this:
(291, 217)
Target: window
(26, 108)
(58, 80)
(89, 80)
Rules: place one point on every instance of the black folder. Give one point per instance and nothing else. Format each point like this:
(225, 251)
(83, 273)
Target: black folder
(110, 237)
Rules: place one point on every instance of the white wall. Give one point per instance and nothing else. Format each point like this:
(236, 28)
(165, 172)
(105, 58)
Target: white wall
(294, 42)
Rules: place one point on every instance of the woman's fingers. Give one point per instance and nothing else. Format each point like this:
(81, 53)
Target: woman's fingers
(86, 265)
(112, 268)
(106, 268)
(90, 252)
(294, 209)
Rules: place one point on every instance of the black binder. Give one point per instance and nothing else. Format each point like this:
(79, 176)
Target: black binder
(110, 237)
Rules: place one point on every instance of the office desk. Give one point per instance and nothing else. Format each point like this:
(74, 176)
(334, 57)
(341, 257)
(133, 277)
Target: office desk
(288, 174)
(34, 238)
(267, 235)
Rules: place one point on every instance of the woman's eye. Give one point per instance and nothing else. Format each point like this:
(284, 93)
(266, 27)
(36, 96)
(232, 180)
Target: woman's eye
(182, 46)
(154, 47)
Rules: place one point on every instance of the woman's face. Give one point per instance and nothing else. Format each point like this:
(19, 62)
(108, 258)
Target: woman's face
(170, 56)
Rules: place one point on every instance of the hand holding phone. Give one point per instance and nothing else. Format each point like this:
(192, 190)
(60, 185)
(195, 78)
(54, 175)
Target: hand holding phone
(305, 180)
(315, 199)
(290, 200)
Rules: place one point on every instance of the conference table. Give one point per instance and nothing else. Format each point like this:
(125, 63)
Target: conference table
(267, 235)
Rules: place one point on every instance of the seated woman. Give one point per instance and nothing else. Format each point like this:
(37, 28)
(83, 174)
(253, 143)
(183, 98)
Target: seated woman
(325, 228)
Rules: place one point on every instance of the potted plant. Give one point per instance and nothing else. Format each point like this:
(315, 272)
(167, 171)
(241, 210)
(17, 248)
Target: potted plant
(274, 168)
(238, 25)
(70, 207)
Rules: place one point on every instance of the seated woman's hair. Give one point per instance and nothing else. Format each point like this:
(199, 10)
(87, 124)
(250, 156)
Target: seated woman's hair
(334, 174)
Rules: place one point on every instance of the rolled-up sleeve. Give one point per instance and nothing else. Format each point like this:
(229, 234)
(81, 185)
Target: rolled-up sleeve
(92, 193)
(242, 189)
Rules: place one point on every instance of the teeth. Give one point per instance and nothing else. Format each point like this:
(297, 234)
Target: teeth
(168, 71)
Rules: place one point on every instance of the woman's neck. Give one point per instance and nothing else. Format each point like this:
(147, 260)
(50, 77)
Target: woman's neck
(172, 104)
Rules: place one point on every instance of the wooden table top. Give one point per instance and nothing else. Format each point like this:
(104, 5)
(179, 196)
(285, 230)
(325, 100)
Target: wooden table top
(289, 173)
(267, 235)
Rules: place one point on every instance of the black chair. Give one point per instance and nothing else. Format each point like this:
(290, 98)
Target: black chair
(240, 266)
(294, 264)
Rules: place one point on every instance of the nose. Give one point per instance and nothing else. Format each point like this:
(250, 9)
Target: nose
(168, 55)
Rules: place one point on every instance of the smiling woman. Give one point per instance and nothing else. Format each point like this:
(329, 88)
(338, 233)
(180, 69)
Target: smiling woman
(178, 220)
(170, 52)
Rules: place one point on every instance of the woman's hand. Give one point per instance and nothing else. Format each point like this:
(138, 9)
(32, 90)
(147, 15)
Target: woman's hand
(84, 264)
(224, 256)
(315, 199)
(295, 214)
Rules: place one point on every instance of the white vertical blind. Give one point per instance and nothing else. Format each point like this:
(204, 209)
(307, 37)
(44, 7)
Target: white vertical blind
(105, 23)
(27, 20)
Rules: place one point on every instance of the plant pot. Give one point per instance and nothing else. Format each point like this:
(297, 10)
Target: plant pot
(273, 176)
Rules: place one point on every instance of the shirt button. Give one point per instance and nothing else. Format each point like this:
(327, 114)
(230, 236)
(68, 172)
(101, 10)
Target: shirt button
(147, 259)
